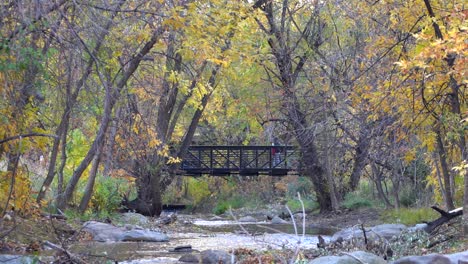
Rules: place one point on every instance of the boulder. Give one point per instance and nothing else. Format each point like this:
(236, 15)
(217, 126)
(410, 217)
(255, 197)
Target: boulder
(247, 219)
(386, 231)
(299, 216)
(346, 234)
(431, 258)
(143, 235)
(278, 220)
(190, 258)
(326, 260)
(418, 227)
(103, 232)
(457, 258)
(158, 260)
(16, 259)
(215, 257)
(134, 219)
(131, 227)
(357, 258)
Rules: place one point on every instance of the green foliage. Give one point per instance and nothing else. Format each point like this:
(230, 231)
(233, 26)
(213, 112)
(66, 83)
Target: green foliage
(355, 200)
(108, 193)
(234, 203)
(74, 214)
(220, 208)
(77, 147)
(409, 216)
(198, 190)
(309, 204)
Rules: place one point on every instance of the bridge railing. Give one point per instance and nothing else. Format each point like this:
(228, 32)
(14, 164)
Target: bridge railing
(244, 160)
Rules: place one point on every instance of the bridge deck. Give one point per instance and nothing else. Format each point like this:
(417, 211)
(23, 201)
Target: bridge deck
(242, 160)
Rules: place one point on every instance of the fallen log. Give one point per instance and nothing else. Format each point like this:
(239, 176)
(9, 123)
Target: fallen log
(444, 218)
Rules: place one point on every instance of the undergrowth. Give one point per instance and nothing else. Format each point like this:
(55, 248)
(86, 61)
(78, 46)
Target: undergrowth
(409, 216)
(355, 200)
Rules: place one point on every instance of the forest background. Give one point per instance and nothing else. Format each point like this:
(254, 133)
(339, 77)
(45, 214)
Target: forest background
(101, 99)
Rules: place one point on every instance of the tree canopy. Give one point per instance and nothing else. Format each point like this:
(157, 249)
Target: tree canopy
(106, 88)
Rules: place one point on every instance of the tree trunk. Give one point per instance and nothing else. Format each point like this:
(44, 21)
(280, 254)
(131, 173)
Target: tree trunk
(378, 184)
(71, 98)
(444, 218)
(90, 184)
(329, 173)
(315, 172)
(112, 95)
(13, 162)
(61, 132)
(109, 150)
(63, 161)
(396, 187)
(445, 172)
(143, 182)
(465, 206)
(51, 169)
(156, 202)
(97, 143)
(360, 159)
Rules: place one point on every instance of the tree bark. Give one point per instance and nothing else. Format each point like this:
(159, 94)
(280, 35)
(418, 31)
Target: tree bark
(465, 206)
(156, 201)
(109, 150)
(63, 161)
(360, 159)
(329, 171)
(90, 184)
(445, 172)
(314, 171)
(378, 184)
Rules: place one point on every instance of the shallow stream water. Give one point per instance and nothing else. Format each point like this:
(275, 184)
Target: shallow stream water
(219, 234)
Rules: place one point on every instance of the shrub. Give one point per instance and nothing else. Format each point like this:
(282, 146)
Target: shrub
(234, 203)
(108, 192)
(198, 190)
(355, 200)
(220, 208)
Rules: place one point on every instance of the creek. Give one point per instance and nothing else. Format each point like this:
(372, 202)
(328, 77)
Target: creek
(204, 235)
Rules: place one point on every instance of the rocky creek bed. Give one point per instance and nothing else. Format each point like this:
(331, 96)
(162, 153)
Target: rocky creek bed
(138, 239)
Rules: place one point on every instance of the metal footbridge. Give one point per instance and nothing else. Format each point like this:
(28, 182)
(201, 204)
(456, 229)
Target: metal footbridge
(240, 160)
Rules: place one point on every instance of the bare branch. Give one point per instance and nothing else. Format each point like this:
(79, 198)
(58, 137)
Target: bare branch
(26, 136)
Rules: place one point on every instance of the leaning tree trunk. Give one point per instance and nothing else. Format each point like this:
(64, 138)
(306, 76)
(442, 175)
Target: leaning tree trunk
(112, 95)
(90, 184)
